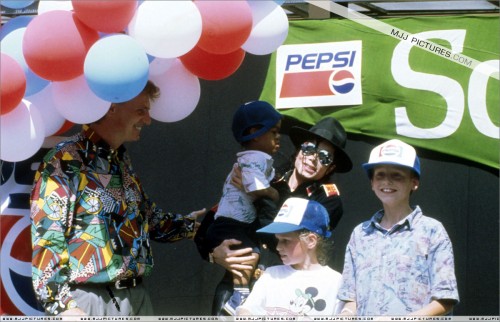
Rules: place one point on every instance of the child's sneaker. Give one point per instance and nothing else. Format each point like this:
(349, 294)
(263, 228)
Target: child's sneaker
(239, 296)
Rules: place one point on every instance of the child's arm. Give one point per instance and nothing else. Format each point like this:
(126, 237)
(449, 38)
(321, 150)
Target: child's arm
(349, 308)
(436, 307)
(243, 311)
(269, 192)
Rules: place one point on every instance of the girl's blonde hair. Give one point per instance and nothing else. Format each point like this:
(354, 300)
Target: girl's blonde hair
(323, 247)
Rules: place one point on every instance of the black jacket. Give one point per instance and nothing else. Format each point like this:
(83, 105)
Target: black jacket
(324, 192)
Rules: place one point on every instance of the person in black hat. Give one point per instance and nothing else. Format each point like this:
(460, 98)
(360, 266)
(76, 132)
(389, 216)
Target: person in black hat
(320, 153)
(256, 126)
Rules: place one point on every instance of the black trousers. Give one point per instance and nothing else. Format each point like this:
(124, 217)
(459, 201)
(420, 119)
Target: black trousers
(223, 292)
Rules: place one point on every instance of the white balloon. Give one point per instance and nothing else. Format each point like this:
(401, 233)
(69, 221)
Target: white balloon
(179, 94)
(269, 29)
(166, 29)
(160, 65)
(77, 103)
(51, 5)
(43, 101)
(21, 133)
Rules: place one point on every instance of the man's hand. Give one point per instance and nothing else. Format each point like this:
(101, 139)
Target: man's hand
(197, 213)
(191, 222)
(233, 260)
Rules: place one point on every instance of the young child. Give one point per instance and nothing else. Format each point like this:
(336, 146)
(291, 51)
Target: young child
(399, 262)
(304, 285)
(256, 127)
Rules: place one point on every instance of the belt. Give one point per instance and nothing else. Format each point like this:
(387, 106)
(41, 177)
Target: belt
(128, 283)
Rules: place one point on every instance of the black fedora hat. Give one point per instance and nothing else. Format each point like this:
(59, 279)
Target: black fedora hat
(328, 129)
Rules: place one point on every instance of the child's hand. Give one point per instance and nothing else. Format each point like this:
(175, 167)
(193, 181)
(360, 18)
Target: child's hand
(237, 177)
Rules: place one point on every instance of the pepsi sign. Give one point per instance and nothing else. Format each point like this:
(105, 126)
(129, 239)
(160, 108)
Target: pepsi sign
(16, 289)
(323, 74)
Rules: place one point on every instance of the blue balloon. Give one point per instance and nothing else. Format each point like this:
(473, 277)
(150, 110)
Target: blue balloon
(13, 24)
(12, 45)
(34, 83)
(116, 68)
(17, 4)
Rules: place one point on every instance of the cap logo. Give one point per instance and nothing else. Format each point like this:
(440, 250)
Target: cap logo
(391, 151)
(292, 211)
(394, 152)
(284, 211)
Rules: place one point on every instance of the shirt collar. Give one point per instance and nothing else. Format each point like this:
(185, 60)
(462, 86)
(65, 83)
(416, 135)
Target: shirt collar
(408, 222)
(307, 187)
(101, 147)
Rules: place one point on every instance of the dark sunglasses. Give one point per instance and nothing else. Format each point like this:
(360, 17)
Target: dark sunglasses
(309, 148)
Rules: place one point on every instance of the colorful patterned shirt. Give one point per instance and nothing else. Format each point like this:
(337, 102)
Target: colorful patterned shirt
(398, 271)
(91, 221)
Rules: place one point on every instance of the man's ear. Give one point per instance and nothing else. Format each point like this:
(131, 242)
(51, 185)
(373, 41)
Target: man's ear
(415, 183)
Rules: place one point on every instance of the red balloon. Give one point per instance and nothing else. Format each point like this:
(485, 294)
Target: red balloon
(226, 25)
(64, 128)
(210, 66)
(107, 16)
(13, 82)
(55, 44)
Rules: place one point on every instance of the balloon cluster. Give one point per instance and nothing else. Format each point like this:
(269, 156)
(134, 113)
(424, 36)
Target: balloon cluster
(73, 59)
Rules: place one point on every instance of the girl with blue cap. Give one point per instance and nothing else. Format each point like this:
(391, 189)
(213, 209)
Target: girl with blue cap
(303, 285)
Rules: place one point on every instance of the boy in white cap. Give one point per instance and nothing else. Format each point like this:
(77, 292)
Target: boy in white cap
(399, 262)
(304, 285)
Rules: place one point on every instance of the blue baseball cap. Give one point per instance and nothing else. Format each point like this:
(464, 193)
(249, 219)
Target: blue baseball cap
(254, 114)
(393, 152)
(297, 214)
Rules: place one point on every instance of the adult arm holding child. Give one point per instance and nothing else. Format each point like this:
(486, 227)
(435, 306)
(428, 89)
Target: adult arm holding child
(319, 154)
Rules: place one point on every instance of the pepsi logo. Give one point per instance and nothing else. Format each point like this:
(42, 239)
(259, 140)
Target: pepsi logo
(341, 81)
(391, 150)
(16, 288)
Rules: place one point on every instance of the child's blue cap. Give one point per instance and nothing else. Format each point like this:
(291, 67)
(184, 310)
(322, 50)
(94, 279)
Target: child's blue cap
(297, 214)
(393, 152)
(254, 114)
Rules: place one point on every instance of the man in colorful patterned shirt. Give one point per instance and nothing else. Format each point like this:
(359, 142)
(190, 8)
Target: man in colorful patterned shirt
(91, 221)
(399, 262)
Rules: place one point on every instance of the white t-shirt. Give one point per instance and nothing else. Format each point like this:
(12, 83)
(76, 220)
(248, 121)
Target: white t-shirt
(257, 172)
(282, 290)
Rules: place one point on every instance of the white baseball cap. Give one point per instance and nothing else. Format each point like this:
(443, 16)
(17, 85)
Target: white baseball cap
(393, 152)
